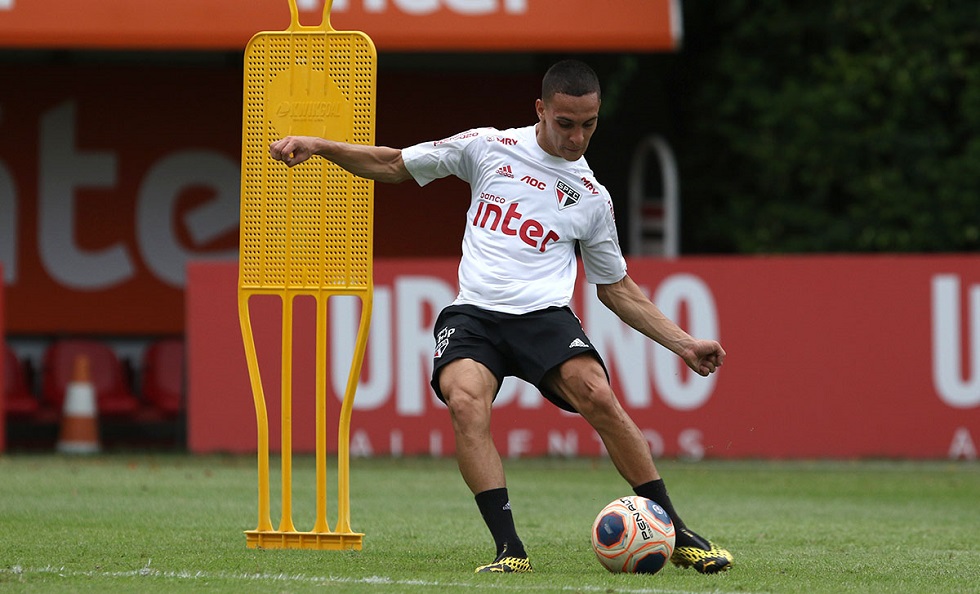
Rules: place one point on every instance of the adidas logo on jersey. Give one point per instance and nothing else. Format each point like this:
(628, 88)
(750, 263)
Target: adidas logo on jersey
(505, 171)
(578, 343)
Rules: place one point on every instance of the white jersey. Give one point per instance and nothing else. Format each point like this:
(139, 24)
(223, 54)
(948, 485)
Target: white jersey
(528, 209)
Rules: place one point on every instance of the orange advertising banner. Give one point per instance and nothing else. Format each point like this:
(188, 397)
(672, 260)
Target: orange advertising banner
(394, 25)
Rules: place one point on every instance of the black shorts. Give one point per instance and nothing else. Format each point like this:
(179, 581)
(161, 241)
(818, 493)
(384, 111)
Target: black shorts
(527, 346)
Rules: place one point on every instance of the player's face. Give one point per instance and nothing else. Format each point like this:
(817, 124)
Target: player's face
(566, 124)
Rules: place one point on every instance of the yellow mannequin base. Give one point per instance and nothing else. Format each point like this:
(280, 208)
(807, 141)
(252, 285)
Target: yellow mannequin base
(321, 541)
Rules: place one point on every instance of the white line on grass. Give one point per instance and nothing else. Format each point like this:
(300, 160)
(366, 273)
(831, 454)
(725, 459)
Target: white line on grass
(382, 581)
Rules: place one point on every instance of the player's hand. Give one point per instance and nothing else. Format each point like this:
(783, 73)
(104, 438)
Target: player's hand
(292, 150)
(705, 357)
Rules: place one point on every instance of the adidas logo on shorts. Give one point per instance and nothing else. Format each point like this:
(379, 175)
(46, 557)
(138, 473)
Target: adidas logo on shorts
(578, 343)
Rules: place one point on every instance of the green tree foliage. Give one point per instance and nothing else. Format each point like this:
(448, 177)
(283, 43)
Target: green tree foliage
(832, 126)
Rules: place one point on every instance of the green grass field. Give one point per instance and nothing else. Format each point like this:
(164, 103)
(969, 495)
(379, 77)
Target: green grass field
(165, 523)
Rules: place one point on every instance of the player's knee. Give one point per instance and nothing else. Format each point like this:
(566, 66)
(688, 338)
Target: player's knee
(591, 398)
(594, 400)
(466, 407)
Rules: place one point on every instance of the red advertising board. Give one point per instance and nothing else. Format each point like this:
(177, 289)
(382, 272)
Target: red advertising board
(834, 357)
(113, 176)
(109, 181)
(432, 25)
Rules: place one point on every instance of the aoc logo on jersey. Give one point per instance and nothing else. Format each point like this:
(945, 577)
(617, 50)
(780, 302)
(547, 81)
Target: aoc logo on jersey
(567, 195)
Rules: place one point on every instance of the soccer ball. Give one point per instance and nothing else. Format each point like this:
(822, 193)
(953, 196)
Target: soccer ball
(633, 535)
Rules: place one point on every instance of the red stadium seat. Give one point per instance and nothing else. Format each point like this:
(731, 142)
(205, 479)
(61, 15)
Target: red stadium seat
(114, 398)
(18, 400)
(163, 376)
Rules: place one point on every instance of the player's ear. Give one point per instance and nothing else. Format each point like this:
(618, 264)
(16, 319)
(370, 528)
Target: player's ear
(539, 107)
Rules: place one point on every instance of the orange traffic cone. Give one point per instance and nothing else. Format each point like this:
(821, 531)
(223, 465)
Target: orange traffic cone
(79, 425)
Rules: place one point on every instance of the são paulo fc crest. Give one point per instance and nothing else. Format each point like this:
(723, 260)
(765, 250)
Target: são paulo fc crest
(566, 194)
(442, 341)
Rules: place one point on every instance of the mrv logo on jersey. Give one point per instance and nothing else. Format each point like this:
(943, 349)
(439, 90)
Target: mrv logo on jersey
(567, 195)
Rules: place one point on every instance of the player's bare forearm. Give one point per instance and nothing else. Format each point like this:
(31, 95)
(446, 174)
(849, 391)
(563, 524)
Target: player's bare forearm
(626, 300)
(378, 163)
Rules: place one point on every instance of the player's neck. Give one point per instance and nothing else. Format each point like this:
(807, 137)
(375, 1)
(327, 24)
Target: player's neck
(542, 142)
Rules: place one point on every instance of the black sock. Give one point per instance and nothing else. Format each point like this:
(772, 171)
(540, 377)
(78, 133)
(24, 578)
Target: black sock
(656, 491)
(495, 507)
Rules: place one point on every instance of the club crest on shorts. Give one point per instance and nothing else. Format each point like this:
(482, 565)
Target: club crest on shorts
(442, 341)
(566, 194)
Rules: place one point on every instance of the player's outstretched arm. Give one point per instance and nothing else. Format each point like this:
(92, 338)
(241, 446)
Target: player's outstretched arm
(378, 163)
(627, 301)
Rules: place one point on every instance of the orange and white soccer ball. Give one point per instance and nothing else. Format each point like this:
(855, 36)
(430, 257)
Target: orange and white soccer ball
(633, 535)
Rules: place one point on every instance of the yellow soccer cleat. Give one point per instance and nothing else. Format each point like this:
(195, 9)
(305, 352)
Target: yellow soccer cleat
(704, 556)
(505, 563)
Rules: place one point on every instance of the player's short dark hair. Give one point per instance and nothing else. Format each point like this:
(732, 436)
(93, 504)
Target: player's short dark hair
(570, 77)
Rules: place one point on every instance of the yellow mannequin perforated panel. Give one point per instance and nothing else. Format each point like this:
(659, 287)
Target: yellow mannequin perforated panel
(307, 230)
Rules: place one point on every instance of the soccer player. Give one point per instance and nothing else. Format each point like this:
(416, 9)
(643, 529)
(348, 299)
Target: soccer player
(533, 199)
